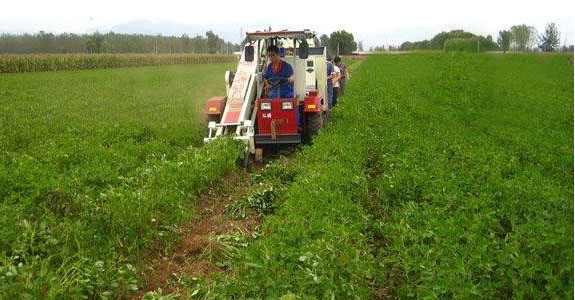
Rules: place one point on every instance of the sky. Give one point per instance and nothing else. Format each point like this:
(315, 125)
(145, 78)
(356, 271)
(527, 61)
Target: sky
(373, 22)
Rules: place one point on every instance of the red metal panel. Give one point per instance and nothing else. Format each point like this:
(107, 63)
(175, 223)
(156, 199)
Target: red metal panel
(232, 117)
(274, 33)
(215, 106)
(285, 120)
(312, 102)
(233, 114)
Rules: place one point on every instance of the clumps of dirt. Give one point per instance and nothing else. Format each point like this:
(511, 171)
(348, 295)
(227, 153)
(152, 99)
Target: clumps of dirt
(188, 258)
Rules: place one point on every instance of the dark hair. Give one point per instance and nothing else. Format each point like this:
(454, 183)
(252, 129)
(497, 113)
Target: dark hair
(274, 49)
(328, 58)
(336, 59)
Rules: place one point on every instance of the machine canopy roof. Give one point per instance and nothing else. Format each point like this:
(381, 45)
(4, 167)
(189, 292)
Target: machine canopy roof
(301, 35)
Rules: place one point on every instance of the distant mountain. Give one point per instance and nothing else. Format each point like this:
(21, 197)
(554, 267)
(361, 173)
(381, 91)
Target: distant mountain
(230, 32)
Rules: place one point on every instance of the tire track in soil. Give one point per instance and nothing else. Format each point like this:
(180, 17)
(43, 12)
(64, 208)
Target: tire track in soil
(211, 219)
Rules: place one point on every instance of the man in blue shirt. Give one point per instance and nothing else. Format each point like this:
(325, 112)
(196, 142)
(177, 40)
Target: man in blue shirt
(278, 75)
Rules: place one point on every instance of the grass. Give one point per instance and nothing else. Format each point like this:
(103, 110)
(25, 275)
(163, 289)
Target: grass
(96, 166)
(440, 176)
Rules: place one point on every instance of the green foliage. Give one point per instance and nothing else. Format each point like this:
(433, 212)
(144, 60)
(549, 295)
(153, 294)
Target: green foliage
(474, 178)
(549, 40)
(43, 42)
(324, 40)
(222, 248)
(469, 45)
(264, 196)
(458, 37)
(96, 44)
(341, 41)
(439, 176)
(463, 45)
(95, 167)
(504, 40)
(523, 37)
(11, 63)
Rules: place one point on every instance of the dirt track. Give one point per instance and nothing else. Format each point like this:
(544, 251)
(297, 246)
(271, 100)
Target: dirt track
(188, 258)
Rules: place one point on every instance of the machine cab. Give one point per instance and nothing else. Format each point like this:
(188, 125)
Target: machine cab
(249, 114)
(288, 120)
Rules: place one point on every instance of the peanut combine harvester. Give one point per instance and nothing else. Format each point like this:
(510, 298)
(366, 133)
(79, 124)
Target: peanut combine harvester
(249, 115)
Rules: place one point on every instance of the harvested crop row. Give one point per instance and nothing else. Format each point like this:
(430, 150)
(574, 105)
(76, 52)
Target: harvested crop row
(15, 63)
(58, 243)
(440, 176)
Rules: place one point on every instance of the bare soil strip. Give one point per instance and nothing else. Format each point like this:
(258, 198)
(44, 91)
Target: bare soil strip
(211, 219)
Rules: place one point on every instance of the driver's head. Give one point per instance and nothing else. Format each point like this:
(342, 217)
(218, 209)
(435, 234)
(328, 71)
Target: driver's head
(273, 53)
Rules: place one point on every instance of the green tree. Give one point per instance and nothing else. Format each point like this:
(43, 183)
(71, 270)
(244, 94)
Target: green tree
(504, 40)
(213, 42)
(96, 44)
(406, 46)
(341, 43)
(549, 40)
(438, 41)
(360, 46)
(324, 40)
(186, 43)
(46, 42)
(523, 36)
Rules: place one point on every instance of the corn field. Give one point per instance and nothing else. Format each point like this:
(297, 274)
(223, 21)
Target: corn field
(17, 63)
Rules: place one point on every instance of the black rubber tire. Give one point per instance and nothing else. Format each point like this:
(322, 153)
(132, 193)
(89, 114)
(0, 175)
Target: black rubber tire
(210, 118)
(312, 125)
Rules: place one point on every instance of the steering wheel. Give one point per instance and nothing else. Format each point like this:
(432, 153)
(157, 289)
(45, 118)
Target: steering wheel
(276, 80)
(275, 83)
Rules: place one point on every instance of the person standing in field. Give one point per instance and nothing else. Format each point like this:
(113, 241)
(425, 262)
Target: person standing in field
(329, 86)
(344, 74)
(335, 80)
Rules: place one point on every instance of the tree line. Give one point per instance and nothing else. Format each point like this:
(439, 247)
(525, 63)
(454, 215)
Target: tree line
(517, 38)
(43, 42)
(462, 40)
(525, 38)
(339, 43)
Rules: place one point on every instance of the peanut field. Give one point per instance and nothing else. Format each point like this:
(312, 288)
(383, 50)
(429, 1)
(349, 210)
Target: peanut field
(438, 176)
(95, 166)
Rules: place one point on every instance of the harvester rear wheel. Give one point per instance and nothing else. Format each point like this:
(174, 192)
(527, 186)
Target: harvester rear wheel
(312, 125)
